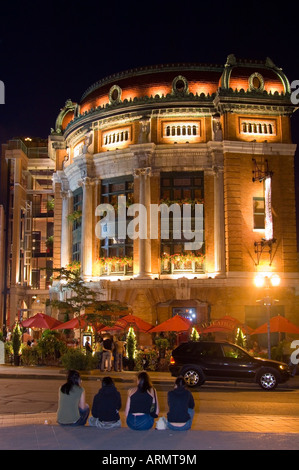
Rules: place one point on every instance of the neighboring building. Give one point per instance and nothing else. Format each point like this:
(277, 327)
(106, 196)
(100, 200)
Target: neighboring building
(28, 223)
(216, 135)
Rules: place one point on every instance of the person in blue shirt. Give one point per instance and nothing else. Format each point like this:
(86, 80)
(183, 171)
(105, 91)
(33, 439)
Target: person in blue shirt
(181, 407)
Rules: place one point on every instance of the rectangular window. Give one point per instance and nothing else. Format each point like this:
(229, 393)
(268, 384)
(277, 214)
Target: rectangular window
(259, 213)
(180, 187)
(35, 277)
(111, 189)
(77, 207)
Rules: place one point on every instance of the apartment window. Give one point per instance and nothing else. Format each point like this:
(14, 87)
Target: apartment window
(35, 278)
(36, 243)
(259, 213)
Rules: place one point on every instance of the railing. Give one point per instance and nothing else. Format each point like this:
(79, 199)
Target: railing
(174, 266)
(31, 152)
(113, 268)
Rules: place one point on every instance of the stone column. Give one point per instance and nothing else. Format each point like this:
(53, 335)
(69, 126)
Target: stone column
(219, 236)
(144, 220)
(87, 228)
(66, 228)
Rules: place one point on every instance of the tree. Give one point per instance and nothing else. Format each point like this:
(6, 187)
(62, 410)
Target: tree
(16, 343)
(79, 297)
(131, 347)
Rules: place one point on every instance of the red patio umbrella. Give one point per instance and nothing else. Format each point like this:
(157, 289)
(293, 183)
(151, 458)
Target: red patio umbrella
(132, 320)
(278, 324)
(76, 322)
(41, 320)
(176, 323)
(108, 328)
(79, 322)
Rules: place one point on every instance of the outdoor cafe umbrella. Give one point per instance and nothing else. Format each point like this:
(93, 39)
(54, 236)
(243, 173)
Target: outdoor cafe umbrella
(76, 323)
(133, 320)
(176, 323)
(278, 324)
(42, 321)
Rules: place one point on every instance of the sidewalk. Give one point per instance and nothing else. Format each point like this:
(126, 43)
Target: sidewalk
(40, 372)
(209, 430)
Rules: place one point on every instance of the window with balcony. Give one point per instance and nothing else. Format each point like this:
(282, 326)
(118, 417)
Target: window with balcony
(180, 188)
(116, 254)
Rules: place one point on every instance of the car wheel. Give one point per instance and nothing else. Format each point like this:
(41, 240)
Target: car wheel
(267, 379)
(193, 377)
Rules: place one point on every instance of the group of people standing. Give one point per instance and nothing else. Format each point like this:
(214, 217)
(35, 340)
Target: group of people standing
(111, 353)
(142, 406)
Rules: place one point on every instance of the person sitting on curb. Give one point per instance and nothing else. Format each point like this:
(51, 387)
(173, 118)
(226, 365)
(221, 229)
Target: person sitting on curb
(139, 403)
(72, 407)
(181, 407)
(106, 406)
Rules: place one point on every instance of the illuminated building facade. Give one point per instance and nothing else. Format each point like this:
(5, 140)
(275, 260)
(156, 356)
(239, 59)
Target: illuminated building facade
(26, 228)
(181, 133)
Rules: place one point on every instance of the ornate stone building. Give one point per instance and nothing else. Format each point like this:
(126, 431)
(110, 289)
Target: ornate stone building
(200, 134)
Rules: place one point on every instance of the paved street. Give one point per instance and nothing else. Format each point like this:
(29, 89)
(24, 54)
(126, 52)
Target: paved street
(229, 416)
(37, 396)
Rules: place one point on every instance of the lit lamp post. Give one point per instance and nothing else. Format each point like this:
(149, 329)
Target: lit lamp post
(263, 280)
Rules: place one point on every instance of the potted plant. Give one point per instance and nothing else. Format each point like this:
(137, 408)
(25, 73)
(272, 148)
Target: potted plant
(50, 205)
(49, 244)
(16, 344)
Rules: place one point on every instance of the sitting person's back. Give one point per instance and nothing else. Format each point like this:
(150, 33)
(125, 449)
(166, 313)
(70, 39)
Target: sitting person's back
(72, 408)
(139, 402)
(181, 407)
(106, 406)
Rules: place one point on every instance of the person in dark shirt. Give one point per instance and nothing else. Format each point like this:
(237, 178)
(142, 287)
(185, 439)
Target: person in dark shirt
(139, 404)
(181, 407)
(106, 406)
(107, 354)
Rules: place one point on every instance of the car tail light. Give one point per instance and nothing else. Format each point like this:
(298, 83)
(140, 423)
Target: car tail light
(172, 361)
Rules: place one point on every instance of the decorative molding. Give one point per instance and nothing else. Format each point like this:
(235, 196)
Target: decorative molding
(254, 80)
(115, 94)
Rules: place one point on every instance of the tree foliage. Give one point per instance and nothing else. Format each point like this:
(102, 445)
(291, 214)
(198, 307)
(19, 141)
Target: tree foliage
(80, 298)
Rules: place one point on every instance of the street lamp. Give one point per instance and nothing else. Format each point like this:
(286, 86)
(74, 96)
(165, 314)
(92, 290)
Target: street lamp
(263, 280)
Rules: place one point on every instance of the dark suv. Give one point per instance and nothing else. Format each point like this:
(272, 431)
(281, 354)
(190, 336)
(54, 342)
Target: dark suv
(223, 361)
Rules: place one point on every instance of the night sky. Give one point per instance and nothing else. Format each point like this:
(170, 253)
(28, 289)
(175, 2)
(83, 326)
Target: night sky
(54, 50)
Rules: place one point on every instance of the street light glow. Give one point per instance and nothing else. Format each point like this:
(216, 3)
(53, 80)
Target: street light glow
(275, 280)
(263, 279)
(259, 280)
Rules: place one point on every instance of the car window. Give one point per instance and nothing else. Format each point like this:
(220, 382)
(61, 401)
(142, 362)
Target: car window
(231, 351)
(210, 350)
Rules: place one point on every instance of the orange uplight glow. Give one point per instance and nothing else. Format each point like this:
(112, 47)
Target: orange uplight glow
(202, 87)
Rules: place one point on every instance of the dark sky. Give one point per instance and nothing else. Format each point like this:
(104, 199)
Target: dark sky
(54, 50)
